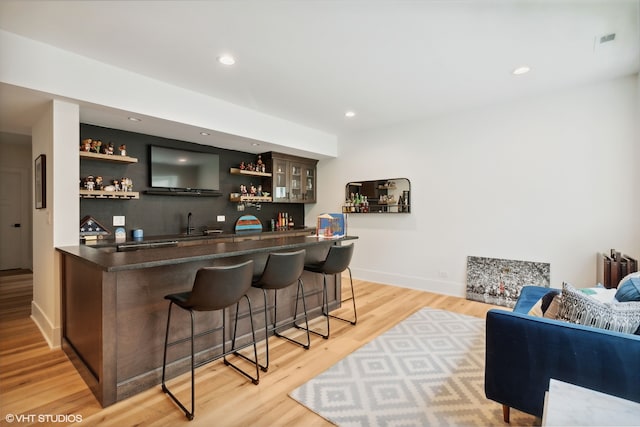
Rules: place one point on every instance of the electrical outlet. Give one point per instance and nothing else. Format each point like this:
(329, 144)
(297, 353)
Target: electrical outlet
(118, 220)
(221, 218)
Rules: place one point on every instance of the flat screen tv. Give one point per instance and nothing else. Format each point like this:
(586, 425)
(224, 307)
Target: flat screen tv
(183, 170)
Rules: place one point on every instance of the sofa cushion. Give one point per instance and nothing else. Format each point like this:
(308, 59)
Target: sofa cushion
(576, 307)
(629, 289)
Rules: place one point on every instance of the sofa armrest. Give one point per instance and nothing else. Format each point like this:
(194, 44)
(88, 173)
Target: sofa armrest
(523, 352)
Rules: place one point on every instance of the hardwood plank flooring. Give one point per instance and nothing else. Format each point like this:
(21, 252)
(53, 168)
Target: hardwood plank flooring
(36, 380)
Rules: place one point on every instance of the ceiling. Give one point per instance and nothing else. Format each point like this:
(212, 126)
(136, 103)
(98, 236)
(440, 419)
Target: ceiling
(310, 61)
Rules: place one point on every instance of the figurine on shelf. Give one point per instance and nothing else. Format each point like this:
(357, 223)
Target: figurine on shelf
(260, 165)
(243, 190)
(126, 184)
(95, 146)
(98, 184)
(242, 166)
(89, 183)
(259, 192)
(253, 190)
(108, 148)
(123, 150)
(86, 145)
(116, 185)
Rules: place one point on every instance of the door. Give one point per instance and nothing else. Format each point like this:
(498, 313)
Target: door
(295, 182)
(309, 178)
(11, 216)
(280, 180)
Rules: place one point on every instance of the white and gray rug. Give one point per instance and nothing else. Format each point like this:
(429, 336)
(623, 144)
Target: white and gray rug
(428, 370)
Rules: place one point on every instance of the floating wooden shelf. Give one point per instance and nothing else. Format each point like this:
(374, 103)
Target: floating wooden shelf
(98, 194)
(237, 171)
(108, 157)
(255, 199)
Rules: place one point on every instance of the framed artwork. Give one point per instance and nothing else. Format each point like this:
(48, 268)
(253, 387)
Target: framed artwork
(500, 281)
(40, 181)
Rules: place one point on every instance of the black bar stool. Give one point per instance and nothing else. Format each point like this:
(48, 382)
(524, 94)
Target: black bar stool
(337, 260)
(214, 288)
(281, 270)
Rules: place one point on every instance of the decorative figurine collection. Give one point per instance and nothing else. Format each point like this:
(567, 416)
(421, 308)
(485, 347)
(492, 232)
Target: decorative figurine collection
(97, 183)
(252, 191)
(96, 146)
(258, 166)
(92, 183)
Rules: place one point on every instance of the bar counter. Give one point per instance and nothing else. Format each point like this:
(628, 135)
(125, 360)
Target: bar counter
(114, 311)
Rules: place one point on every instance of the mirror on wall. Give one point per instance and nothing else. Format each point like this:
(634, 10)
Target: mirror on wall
(378, 196)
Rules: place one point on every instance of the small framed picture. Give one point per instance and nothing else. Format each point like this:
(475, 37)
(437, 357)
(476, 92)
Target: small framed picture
(40, 181)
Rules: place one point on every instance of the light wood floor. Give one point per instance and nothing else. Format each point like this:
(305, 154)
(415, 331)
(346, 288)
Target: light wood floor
(36, 380)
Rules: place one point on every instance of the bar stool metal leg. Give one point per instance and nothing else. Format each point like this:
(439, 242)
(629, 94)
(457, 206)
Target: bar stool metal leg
(189, 414)
(255, 379)
(353, 300)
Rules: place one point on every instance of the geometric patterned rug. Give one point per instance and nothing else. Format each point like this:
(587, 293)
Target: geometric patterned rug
(428, 370)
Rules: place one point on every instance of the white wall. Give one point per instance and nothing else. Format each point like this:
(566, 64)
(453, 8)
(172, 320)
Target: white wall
(549, 179)
(55, 135)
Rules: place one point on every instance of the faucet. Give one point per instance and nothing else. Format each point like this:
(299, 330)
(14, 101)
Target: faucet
(189, 228)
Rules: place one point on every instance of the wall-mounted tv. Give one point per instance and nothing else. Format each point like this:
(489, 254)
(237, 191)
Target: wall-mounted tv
(174, 169)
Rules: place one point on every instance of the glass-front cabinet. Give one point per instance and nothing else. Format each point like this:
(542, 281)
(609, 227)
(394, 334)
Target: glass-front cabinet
(280, 180)
(294, 179)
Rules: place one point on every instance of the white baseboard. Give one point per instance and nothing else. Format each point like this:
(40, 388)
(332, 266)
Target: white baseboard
(412, 282)
(51, 334)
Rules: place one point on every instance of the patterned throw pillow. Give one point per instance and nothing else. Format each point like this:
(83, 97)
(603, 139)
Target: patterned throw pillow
(629, 290)
(576, 307)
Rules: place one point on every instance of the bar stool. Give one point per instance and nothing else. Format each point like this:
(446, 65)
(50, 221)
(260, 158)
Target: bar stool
(214, 288)
(281, 270)
(337, 260)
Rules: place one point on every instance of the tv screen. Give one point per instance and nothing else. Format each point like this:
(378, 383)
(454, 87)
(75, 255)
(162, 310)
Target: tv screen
(172, 168)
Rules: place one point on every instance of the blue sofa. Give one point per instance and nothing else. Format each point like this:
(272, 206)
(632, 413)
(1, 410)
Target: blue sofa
(523, 352)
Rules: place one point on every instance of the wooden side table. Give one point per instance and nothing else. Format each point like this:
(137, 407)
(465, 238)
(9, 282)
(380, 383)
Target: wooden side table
(610, 271)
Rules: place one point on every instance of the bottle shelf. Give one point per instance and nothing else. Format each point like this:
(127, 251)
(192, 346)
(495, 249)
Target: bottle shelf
(100, 194)
(254, 199)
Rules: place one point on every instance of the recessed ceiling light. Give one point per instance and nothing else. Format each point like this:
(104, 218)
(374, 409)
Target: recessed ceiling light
(255, 144)
(226, 60)
(205, 133)
(135, 119)
(350, 114)
(521, 70)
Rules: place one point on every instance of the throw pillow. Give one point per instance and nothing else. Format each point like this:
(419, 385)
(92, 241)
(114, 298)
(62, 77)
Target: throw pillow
(554, 308)
(629, 290)
(540, 307)
(576, 307)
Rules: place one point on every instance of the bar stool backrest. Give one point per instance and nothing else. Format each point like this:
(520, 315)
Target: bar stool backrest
(215, 288)
(338, 259)
(282, 269)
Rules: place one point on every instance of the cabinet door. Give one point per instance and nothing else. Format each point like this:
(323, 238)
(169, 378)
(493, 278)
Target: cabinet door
(280, 180)
(309, 183)
(295, 181)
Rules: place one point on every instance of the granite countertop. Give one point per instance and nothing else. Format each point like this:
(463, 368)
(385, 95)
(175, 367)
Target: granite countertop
(108, 259)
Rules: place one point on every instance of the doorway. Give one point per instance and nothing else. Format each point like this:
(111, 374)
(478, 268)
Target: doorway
(15, 225)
